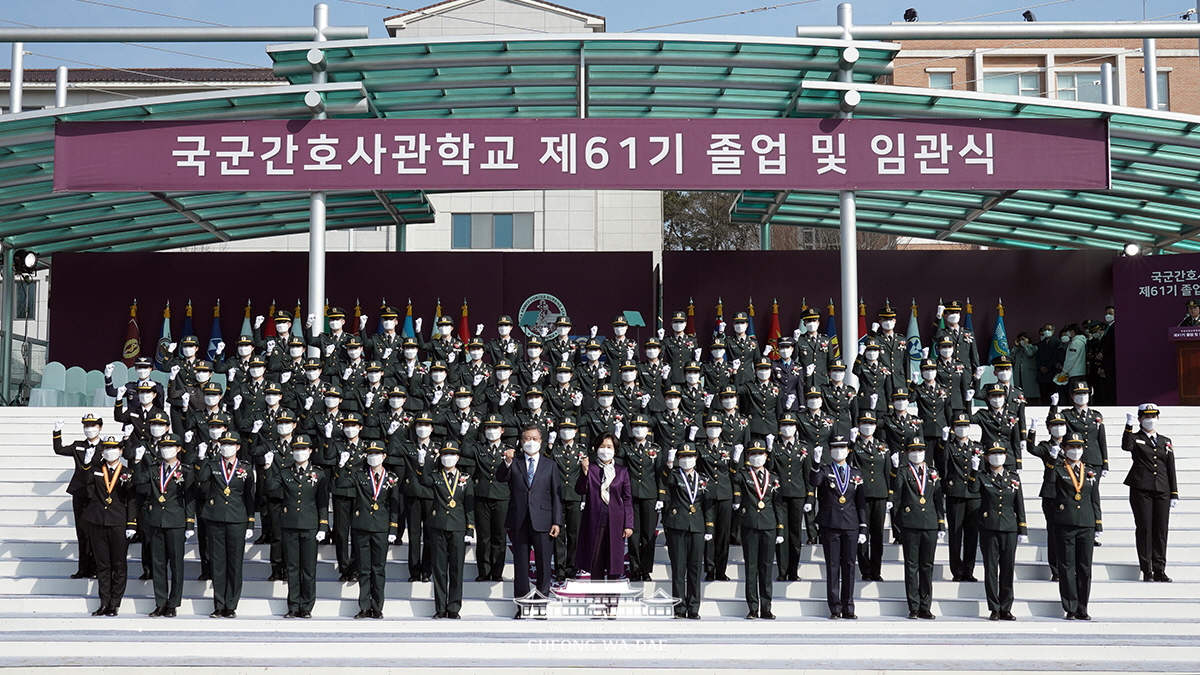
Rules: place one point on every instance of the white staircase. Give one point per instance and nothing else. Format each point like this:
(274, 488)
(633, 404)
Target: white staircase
(38, 600)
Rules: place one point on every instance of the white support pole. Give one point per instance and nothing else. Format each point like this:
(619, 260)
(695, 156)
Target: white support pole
(10, 320)
(60, 87)
(849, 223)
(1150, 66)
(1106, 83)
(16, 80)
(316, 207)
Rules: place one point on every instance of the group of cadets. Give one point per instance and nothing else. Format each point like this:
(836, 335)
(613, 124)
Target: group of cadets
(381, 434)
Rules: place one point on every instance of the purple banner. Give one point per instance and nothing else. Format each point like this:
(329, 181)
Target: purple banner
(1183, 334)
(516, 154)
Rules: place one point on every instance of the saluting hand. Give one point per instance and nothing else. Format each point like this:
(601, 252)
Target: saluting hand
(584, 463)
(509, 453)
(258, 321)
(58, 425)
(108, 371)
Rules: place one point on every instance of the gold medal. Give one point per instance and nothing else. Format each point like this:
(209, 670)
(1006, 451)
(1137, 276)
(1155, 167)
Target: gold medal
(108, 500)
(762, 504)
(691, 508)
(226, 490)
(1078, 496)
(842, 499)
(162, 498)
(374, 507)
(921, 500)
(452, 503)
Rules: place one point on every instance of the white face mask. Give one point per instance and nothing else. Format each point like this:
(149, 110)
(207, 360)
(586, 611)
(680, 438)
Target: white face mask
(729, 403)
(900, 405)
(1080, 399)
(639, 432)
(678, 326)
(215, 432)
(272, 399)
(296, 352)
(285, 429)
(423, 431)
(739, 327)
(445, 330)
(504, 330)
(839, 453)
(493, 433)
(1058, 430)
(593, 354)
(503, 374)
(228, 450)
(952, 318)
(605, 454)
(146, 399)
(713, 432)
(946, 352)
(1074, 453)
(812, 403)
(564, 331)
(313, 374)
(284, 328)
(475, 354)
(1047, 333)
(619, 331)
(336, 324)
(354, 353)
(718, 354)
(374, 377)
(1004, 375)
(91, 432)
(351, 431)
(916, 457)
(996, 459)
(410, 353)
(143, 373)
(687, 463)
(838, 376)
(628, 375)
(961, 431)
(672, 403)
(1109, 318)
(605, 401)
(763, 374)
(871, 354)
(785, 353)
(811, 326)
(301, 456)
(396, 402)
(203, 376)
(929, 374)
(257, 372)
(449, 461)
(158, 430)
(245, 350)
(438, 376)
(1148, 423)
(189, 352)
(534, 402)
(692, 378)
(533, 352)
(563, 378)
(757, 460)
(462, 402)
(996, 402)
(389, 324)
(375, 459)
(867, 430)
(531, 447)
(112, 454)
(567, 434)
(887, 324)
(332, 401)
(168, 453)
(787, 430)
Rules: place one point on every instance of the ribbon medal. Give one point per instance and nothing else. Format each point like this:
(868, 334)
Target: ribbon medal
(760, 489)
(842, 483)
(921, 480)
(376, 488)
(228, 474)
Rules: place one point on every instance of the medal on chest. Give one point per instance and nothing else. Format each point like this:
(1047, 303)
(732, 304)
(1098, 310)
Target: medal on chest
(921, 479)
(760, 489)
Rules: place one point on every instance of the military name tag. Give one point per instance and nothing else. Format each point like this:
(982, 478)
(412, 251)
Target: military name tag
(762, 504)
(162, 498)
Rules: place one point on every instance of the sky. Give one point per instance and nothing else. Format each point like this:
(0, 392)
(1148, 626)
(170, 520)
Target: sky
(748, 17)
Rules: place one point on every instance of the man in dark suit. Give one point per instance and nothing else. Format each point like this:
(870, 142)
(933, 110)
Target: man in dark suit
(535, 510)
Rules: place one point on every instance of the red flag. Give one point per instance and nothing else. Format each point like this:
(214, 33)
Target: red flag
(862, 320)
(133, 338)
(691, 320)
(464, 326)
(269, 324)
(773, 332)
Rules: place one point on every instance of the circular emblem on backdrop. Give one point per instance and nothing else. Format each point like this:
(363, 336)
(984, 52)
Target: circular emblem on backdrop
(538, 314)
(132, 349)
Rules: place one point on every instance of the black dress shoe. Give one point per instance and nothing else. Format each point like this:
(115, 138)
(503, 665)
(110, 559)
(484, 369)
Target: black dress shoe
(723, 577)
(204, 576)
(304, 614)
(145, 576)
(752, 615)
(343, 578)
(914, 615)
(868, 577)
(111, 611)
(1070, 616)
(1097, 543)
(1007, 616)
(376, 614)
(100, 610)
(1146, 576)
(694, 616)
(994, 616)
(158, 611)
(812, 541)
(352, 578)
(956, 578)
(766, 615)
(1083, 616)
(452, 615)
(781, 577)
(424, 578)
(970, 578)
(849, 615)
(217, 614)
(230, 614)
(482, 578)
(169, 612)
(274, 577)
(518, 615)
(1162, 577)
(1054, 576)
(414, 579)
(835, 615)
(926, 614)
(710, 577)
(878, 577)
(366, 614)
(793, 577)
(439, 615)
(498, 577)
(79, 575)
(261, 540)
(681, 616)
(290, 615)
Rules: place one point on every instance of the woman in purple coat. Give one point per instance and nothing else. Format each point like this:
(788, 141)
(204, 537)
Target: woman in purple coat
(608, 516)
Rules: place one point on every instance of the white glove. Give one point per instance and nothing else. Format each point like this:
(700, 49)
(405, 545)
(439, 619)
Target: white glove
(1019, 471)
(1130, 418)
(1098, 534)
(661, 333)
(896, 460)
(138, 453)
(478, 329)
(696, 353)
(171, 347)
(889, 506)
(874, 400)
(553, 437)
(462, 428)
(767, 350)
(285, 376)
(308, 401)
(796, 334)
(453, 356)
(1174, 503)
(237, 401)
(737, 364)
(853, 434)
(770, 441)
(1022, 539)
(393, 427)
(126, 431)
(328, 429)
(477, 379)
(188, 534)
(1054, 398)
(1024, 446)
(220, 347)
(737, 505)
(942, 535)
(418, 324)
(347, 373)
(666, 371)
(391, 538)
(258, 321)
(1054, 452)
(671, 456)
(862, 349)
(130, 534)
(789, 401)
(231, 374)
(121, 391)
(249, 535)
(737, 452)
(362, 322)
(437, 396)
(58, 425)
(594, 331)
(1104, 473)
(268, 459)
(720, 326)
(343, 458)
(329, 349)
(602, 373)
(644, 399)
(979, 372)
(617, 429)
(504, 398)
(925, 352)
(692, 433)
(658, 505)
(258, 425)
(816, 454)
(468, 539)
(188, 436)
(577, 399)
(202, 450)
(707, 537)
(270, 345)
(537, 374)
(1033, 422)
(810, 369)
(875, 327)
(975, 463)
(321, 536)
(808, 508)
(941, 309)
(970, 395)
(778, 539)
(708, 400)
(174, 371)
(87, 456)
(310, 320)
(185, 399)
(945, 433)
(108, 371)
(862, 539)
(369, 398)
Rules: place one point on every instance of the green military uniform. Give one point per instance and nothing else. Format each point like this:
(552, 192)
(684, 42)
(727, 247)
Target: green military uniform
(419, 458)
(1050, 452)
(840, 400)
(345, 498)
(491, 499)
(269, 506)
(111, 514)
(1001, 523)
(375, 522)
(1077, 520)
(687, 520)
(654, 373)
(1000, 426)
(917, 494)
(451, 525)
(225, 487)
(567, 455)
(167, 513)
(645, 461)
(791, 463)
(756, 490)
(962, 502)
(871, 456)
(304, 520)
(718, 464)
(673, 427)
(762, 401)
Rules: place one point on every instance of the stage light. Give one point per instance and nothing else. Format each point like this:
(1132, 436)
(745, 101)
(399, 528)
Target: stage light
(1028, 16)
(24, 262)
(910, 15)
(1132, 249)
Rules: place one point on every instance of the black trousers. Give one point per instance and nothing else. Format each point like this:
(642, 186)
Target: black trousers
(227, 545)
(204, 544)
(1151, 518)
(567, 541)
(272, 525)
(686, 550)
(961, 521)
(112, 562)
(300, 557)
(840, 548)
(87, 559)
(919, 547)
(1075, 546)
(758, 546)
(371, 555)
(420, 559)
(641, 543)
(449, 553)
(1051, 534)
(166, 546)
(523, 539)
(794, 533)
(999, 561)
(343, 507)
(716, 551)
(489, 537)
(870, 554)
(810, 522)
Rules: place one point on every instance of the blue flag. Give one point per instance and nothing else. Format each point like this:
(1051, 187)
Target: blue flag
(967, 324)
(409, 329)
(214, 335)
(915, 354)
(164, 343)
(187, 322)
(999, 337)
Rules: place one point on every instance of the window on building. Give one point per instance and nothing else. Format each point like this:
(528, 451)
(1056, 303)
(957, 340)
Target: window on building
(1080, 87)
(26, 305)
(1164, 91)
(941, 80)
(1013, 84)
(492, 230)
